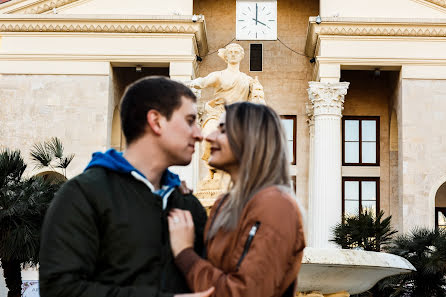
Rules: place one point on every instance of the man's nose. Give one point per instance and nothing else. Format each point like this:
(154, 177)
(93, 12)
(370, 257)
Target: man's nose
(197, 134)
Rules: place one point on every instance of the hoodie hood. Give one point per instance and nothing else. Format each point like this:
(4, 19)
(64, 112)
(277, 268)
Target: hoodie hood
(115, 161)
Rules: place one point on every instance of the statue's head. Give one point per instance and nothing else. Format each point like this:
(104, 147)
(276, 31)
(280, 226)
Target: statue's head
(232, 53)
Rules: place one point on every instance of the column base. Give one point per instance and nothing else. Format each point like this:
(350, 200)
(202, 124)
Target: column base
(319, 294)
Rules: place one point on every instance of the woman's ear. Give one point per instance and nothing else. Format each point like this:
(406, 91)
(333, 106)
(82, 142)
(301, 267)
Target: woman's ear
(154, 121)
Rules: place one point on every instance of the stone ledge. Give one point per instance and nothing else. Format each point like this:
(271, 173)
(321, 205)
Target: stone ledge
(108, 24)
(373, 27)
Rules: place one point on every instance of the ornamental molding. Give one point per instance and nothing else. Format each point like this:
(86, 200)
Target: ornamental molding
(107, 24)
(383, 28)
(327, 98)
(310, 113)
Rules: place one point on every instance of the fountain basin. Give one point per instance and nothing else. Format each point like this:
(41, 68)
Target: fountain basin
(336, 270)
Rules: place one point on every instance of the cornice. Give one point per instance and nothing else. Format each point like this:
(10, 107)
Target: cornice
(385, 28)
(108, 24)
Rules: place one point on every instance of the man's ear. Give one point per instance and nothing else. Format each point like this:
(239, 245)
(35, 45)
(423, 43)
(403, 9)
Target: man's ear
(154, 121)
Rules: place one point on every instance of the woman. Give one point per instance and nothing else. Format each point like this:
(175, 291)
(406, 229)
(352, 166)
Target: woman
(254, 236)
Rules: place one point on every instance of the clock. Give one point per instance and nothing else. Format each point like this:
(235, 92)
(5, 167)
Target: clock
(256, 20)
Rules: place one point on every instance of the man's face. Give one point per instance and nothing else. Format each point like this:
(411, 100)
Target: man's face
(180, 133)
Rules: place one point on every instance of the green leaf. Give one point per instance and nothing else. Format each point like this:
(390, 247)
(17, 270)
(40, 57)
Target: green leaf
(55, 147)
(65, 161)
(41, 156)
(12, 166)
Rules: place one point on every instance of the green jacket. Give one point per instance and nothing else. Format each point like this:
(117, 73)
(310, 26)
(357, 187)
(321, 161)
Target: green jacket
(106, 235)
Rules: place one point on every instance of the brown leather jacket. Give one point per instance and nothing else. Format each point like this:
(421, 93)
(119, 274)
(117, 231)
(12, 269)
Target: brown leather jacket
(267, 266)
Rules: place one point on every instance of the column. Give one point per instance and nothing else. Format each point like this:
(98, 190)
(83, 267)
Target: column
(325, 207)
(310, 121)
(184, 71)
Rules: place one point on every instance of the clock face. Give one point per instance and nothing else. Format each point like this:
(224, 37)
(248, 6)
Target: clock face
(256, 20)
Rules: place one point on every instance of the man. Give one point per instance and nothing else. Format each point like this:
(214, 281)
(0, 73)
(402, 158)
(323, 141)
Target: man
(106, 232)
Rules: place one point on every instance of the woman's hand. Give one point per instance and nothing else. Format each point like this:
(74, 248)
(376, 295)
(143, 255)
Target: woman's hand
(181, 230)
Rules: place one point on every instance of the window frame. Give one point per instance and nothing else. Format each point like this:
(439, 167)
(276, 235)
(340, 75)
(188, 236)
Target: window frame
(437, 209)
(360, 119)
(294, 118)
(250, 51)
(361, 179)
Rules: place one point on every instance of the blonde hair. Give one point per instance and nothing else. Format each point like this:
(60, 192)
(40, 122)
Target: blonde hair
(223, 51)
(258, 142)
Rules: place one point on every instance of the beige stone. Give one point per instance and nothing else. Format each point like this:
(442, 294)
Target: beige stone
(382, 9)
(285, 74)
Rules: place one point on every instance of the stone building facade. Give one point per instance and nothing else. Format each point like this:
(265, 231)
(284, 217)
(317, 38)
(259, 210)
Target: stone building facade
(64, 65)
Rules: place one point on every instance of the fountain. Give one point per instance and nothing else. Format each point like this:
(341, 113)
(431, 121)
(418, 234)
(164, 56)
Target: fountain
(341, 273)
(326, 270)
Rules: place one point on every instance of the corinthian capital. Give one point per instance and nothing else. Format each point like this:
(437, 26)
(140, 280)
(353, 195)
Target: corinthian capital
(327, 98)
(309, 111)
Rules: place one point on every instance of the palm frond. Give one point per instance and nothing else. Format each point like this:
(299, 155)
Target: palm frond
(64, 162)
(55, 146)
(364, 231)
(41, 156)
(12, 166)
(24, 204)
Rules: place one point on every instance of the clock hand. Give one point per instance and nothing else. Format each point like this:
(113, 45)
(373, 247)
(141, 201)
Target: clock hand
(256, 14)
(262, 23)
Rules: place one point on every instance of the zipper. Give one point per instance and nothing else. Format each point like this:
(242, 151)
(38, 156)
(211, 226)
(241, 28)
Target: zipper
(248, 242)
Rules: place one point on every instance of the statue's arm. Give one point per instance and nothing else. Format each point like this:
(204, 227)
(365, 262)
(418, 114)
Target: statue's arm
(211, 80)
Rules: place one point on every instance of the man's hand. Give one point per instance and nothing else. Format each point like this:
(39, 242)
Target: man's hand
(181, 230)
(199, 294)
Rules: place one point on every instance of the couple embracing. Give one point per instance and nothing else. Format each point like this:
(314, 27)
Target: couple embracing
(126, 228)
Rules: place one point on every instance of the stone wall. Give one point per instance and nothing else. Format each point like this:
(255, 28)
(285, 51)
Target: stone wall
(74, 108)
(285, 74)
(422, 149)
(396, 201)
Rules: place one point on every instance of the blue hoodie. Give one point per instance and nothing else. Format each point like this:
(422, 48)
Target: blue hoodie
(115, 161)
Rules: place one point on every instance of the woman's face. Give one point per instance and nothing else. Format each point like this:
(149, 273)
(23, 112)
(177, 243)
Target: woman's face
(221, 154)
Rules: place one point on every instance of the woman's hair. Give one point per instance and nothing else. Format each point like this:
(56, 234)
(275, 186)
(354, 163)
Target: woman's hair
(222, 52)
(258, 142)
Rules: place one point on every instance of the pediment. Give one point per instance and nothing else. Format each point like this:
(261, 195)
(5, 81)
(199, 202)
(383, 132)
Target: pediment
(91, 7)
(441, 3)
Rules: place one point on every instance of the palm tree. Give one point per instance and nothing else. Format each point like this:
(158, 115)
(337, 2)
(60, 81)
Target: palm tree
(50, 154)
(367, 232)
(364, 231)
(23, 203)
(426, 250)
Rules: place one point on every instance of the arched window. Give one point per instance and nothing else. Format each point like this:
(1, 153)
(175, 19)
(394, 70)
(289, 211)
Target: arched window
(440, 207)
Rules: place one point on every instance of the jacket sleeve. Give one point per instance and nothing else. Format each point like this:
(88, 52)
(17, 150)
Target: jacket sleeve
(70, 247)
(273, 254)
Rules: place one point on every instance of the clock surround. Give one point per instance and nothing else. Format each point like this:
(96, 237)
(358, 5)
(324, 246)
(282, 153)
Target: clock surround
(256, 20)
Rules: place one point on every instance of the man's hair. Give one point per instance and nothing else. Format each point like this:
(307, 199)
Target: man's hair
(153, 92)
